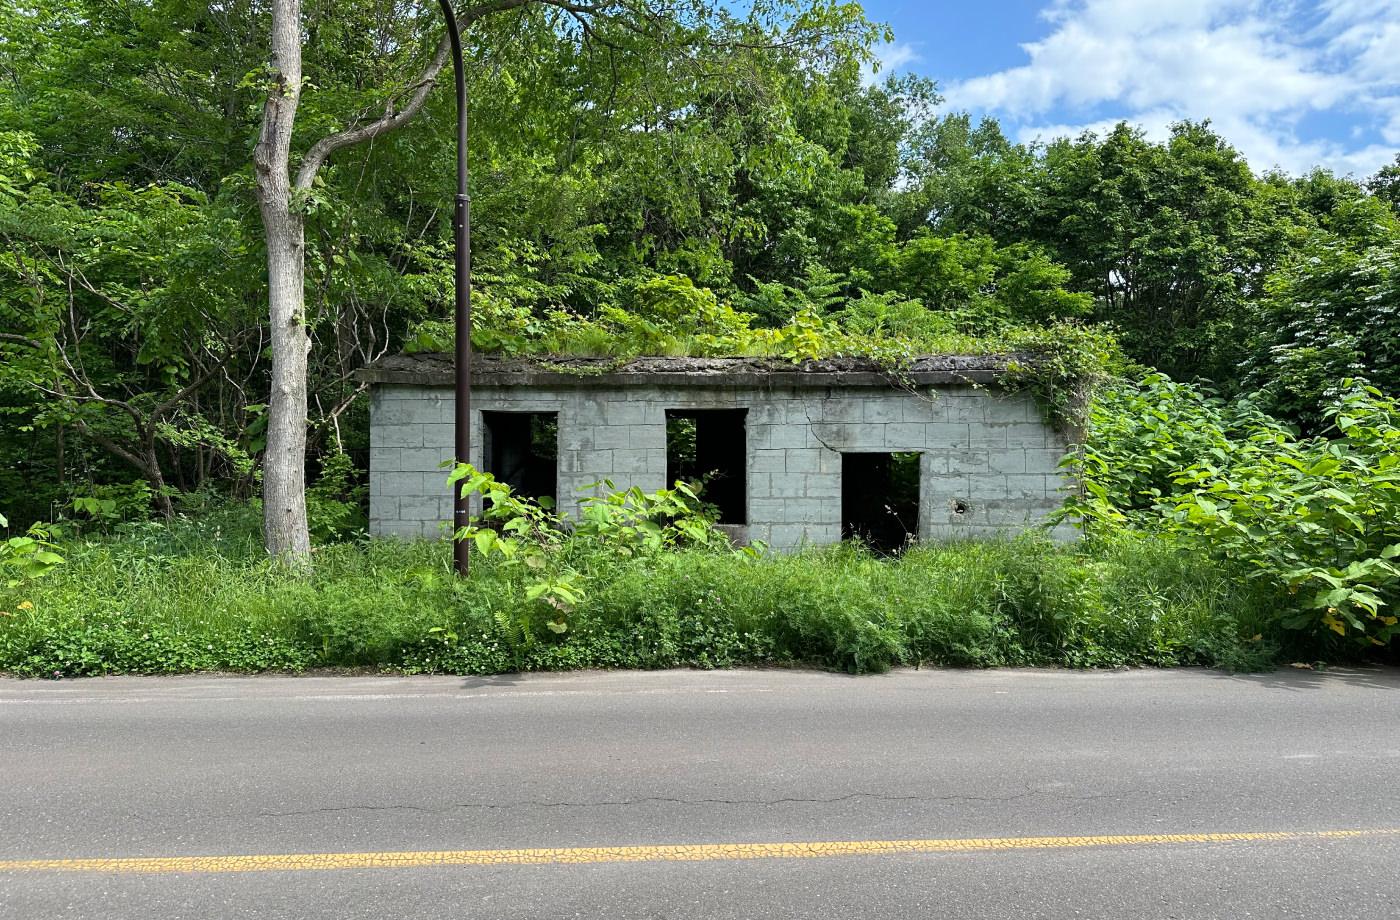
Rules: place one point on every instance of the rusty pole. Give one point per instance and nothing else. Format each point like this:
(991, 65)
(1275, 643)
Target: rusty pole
(462, 245)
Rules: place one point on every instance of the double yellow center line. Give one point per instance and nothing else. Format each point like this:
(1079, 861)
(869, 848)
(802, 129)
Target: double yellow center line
(303, 862)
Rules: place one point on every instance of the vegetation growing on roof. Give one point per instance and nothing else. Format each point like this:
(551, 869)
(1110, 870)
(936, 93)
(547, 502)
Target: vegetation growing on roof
(1061, 361)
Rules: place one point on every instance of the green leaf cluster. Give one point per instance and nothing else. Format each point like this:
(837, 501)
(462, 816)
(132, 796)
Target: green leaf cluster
(30, 555)
(1332, 314)
(555, 555)
(1315, 519)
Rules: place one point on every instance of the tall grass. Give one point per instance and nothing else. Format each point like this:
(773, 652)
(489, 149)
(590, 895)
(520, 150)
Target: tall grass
(198, 595)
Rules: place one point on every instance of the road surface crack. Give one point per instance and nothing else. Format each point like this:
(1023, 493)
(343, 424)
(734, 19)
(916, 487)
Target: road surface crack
(676, 800)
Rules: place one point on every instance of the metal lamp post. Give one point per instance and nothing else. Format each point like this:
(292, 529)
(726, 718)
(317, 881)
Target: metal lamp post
(462, 246)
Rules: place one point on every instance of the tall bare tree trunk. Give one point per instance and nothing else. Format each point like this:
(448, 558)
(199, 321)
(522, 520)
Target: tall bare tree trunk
(284, 462)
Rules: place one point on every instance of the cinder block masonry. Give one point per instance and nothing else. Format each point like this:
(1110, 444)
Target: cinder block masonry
(988, 460)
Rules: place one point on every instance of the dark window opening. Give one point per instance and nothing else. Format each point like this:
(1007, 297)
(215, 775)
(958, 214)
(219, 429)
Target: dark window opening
(708, 446)
(880, 500)
(522, 450)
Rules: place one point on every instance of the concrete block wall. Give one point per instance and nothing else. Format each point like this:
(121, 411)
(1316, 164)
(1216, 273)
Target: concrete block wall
(988, 460)
(410, 434)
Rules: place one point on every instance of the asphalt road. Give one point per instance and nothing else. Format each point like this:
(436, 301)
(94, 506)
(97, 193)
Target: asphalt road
(612, 766)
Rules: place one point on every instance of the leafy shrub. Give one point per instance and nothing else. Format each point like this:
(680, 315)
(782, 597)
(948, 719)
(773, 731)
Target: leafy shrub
(556, 555)
(1332, 314)
(1315, 520)
(335, 503)
(1140, 436)
(105, 506)
(1060, 361)
(30, 555)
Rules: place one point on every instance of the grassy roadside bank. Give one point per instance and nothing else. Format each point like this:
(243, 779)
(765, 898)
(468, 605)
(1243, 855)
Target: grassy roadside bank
(198, 596)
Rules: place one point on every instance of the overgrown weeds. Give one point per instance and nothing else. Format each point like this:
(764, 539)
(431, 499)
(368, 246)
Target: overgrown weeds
(194, 600)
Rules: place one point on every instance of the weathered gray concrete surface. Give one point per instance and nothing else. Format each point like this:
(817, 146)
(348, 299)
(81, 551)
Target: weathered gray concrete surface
(177, 767)
(988, 465)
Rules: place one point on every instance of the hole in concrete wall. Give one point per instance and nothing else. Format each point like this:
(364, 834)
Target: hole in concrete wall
(522, 450)
(708, 445)
(880, 500)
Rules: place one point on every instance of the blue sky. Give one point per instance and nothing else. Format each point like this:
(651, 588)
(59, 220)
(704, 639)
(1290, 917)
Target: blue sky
(1291, 85)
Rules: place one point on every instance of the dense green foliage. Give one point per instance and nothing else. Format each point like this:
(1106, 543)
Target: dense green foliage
(1314, 521)
(1330, 316)
(200, 595)
(737, 189)
(724, 181)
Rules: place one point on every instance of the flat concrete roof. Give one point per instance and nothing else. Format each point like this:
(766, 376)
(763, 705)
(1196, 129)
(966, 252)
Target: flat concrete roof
(436, 370)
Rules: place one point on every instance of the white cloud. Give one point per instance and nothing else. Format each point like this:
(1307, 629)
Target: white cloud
(1258, 69)
(891, 57)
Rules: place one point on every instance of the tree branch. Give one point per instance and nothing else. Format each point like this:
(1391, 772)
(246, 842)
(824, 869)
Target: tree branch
(22, 339)
(208, 375)
(329, 418)
(113, 447)
(392, 118)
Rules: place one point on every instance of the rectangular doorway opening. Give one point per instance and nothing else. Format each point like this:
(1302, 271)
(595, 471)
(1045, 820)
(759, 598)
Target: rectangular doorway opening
(522, 450)
(880, 500)
(709, 446)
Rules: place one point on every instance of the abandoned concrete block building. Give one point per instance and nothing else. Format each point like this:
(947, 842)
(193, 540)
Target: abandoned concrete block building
(791, 455)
